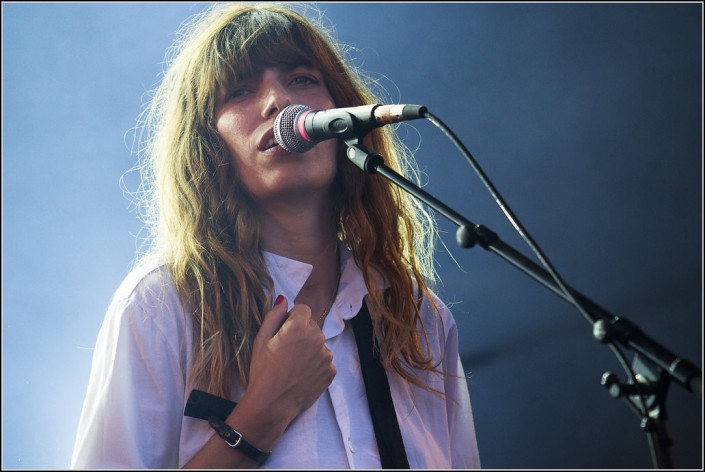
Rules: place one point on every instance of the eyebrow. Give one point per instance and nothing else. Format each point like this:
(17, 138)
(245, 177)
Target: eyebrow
(253, 75)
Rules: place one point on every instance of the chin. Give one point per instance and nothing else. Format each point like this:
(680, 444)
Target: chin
(299, 192)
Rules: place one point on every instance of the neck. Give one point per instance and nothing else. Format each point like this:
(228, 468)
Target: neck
(306, 233)
(301, 232)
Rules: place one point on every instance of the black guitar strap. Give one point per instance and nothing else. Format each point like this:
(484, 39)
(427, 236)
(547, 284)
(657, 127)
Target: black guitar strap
(389, 441)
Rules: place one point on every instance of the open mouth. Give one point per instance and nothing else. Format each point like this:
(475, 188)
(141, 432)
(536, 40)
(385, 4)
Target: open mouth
(268, 143)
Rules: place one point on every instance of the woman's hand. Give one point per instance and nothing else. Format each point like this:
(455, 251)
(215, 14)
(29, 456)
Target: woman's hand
(291, 365)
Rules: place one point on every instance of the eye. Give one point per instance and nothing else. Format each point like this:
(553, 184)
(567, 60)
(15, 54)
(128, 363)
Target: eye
(305, 80)
(237, 93)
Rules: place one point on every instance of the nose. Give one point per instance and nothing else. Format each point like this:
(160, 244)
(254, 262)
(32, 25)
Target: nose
(276, 95)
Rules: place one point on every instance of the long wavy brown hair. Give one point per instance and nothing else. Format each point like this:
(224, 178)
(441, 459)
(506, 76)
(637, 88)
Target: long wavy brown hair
(201, 222)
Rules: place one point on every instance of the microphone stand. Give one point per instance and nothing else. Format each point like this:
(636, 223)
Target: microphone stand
(654, 365)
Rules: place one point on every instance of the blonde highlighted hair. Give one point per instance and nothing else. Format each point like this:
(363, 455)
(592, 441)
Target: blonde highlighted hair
(201, 222)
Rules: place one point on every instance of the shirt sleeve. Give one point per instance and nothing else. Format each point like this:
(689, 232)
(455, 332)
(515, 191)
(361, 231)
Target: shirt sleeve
(132, 412)
(461, 427)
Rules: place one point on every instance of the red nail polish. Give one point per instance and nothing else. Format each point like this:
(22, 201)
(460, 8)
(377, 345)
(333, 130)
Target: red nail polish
(279, 299)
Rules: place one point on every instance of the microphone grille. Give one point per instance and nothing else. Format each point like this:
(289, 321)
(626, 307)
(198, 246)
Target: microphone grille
(285, 130)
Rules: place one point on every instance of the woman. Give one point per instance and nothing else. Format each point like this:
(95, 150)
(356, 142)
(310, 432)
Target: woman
(259, 261)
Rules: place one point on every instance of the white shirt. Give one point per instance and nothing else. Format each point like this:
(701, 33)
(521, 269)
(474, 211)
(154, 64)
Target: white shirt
(133, 413)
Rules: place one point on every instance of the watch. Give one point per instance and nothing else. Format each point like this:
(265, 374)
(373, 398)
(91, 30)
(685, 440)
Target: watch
(235, 440)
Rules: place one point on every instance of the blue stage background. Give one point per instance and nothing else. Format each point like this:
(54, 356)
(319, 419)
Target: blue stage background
(587, 117)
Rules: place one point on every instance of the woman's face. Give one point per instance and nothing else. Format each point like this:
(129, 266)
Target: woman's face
(245, 115)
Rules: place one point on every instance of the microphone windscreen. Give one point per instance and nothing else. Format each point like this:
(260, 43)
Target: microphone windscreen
(285, 130)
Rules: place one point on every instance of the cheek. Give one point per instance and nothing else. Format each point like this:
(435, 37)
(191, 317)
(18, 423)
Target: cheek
(230, 131)
(335, 148)
(226, 126)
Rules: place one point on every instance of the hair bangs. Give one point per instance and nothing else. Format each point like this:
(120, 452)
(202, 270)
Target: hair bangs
(254, 41)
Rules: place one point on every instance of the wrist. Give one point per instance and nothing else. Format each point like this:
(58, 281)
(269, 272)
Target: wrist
(236, 440)
(262, 424)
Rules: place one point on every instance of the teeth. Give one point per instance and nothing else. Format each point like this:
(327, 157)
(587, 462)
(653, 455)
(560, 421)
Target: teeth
(270, 143)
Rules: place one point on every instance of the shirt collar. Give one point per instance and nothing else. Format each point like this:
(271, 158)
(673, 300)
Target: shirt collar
(289, 276)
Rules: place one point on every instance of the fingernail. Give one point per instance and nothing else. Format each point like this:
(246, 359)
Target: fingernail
(279, 299)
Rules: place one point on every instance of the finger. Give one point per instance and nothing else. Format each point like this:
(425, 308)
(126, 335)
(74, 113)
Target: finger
(300, 313)
(274, 318)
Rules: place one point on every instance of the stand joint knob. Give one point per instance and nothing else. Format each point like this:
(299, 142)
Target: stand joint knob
(618, 389)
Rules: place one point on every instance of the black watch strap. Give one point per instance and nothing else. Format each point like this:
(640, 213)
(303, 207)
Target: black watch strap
(235, 440)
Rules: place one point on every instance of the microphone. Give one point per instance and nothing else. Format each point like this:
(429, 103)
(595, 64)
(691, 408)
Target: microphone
(299, 128)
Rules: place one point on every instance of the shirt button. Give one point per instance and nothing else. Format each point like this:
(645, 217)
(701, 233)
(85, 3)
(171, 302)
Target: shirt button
(351, 446)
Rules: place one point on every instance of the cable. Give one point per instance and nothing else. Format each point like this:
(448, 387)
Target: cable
(529, 240)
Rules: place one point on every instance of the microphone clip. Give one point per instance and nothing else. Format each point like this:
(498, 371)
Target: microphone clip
(363, 157)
